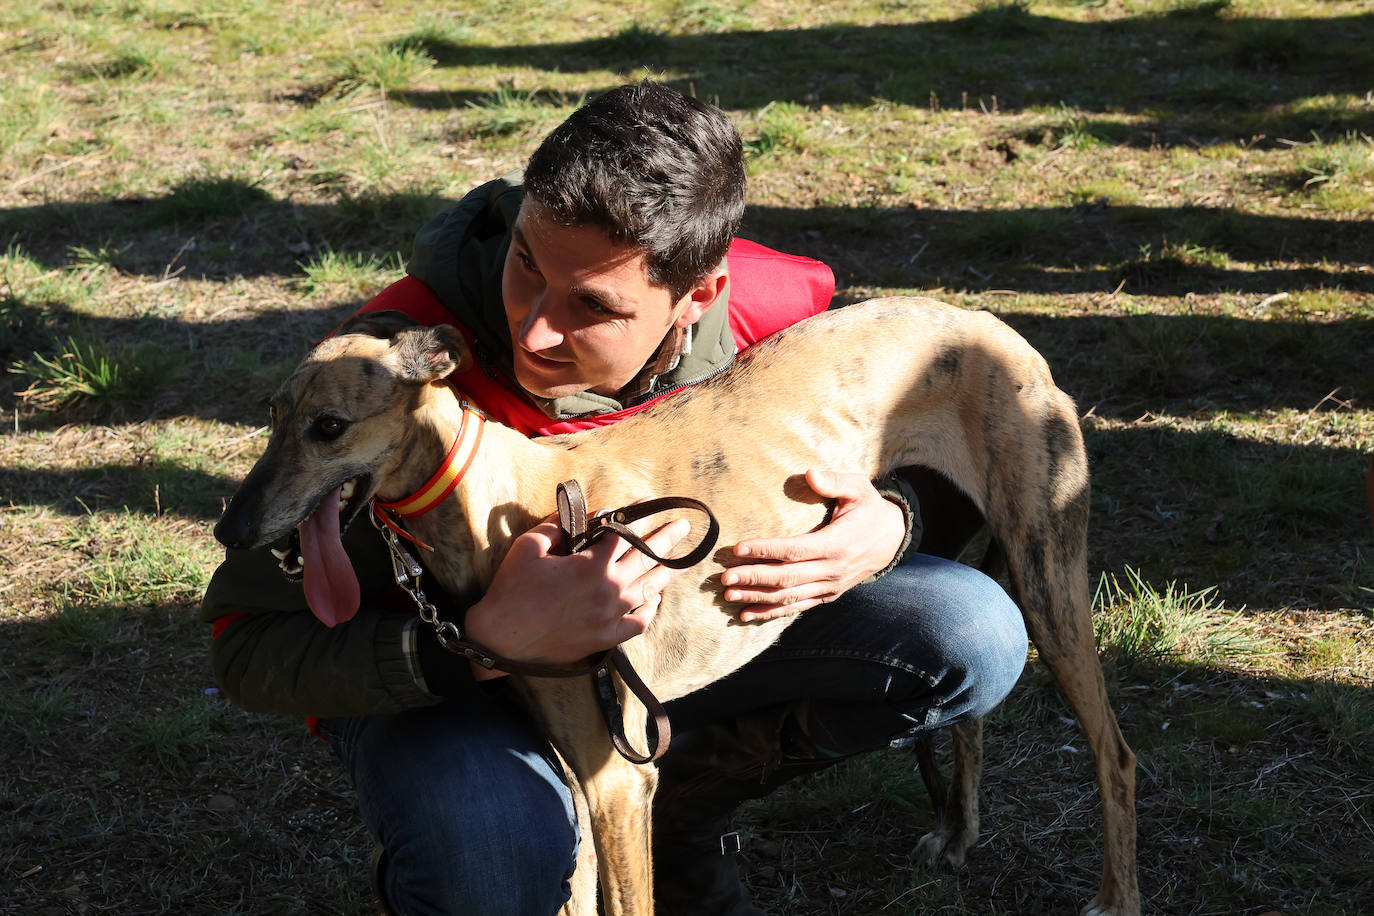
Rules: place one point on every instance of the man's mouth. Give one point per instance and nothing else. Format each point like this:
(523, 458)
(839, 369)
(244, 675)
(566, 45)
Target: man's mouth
(538, 361)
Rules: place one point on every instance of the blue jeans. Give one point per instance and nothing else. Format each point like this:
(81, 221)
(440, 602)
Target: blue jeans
(473, 811)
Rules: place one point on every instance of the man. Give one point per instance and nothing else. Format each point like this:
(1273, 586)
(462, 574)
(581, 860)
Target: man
(598, 286)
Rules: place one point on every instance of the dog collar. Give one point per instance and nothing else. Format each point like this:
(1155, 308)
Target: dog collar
(437, 489)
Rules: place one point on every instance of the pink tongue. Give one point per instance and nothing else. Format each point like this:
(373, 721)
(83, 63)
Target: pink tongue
(331, 587)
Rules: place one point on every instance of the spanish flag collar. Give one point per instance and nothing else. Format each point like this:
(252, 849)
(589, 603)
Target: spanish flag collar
(437, 489)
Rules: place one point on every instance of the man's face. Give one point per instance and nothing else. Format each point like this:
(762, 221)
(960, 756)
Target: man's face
(583, 315)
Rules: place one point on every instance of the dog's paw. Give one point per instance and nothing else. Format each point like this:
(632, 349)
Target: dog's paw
(1109, 908)
(943, 847)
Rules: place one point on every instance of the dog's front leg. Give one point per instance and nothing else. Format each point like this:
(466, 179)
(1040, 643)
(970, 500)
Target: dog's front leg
(582, 899)
(618, 795)
(620, 799)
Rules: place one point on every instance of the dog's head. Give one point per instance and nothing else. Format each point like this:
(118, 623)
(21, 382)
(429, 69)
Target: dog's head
(340, 427)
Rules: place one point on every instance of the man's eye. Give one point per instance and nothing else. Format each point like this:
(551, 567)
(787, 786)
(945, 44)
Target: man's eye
(328, 428)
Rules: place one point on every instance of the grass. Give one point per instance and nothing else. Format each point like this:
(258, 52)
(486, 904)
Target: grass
(78, 372)
(333, 272)
(510, 111)
(1168, 198)
(781, 128)
(1139, 625)
(390, 69)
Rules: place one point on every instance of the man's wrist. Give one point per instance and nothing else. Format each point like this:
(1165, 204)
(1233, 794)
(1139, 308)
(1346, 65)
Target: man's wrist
(475, 632)
(444, 674)
(900, 493)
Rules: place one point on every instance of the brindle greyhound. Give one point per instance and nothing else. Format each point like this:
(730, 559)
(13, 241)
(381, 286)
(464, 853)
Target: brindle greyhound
(888, 384)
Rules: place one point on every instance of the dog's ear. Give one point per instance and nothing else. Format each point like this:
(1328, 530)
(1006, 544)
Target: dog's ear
(429, 354)
(385, 324)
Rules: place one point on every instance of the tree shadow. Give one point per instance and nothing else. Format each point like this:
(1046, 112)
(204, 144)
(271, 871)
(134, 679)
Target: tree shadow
(161, 488)
(1232, 763)
(221, 369)
(102, 698)
(229, 228)
(1266, 524)
(1195, 78)
(1275, 522)
(1095, 246)
(1127, 365)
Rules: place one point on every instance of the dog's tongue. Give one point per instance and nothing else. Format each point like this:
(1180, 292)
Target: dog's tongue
(331, 586)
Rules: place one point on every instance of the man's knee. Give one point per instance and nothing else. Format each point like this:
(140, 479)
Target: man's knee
(525, 867)
(510, 848)
(974, 634)
(470, 807)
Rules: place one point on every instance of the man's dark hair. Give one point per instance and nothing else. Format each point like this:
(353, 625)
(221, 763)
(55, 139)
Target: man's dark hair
(654, 169)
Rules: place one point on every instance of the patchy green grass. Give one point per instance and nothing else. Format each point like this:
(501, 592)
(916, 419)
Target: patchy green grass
(1168, 198)
(1140, 625)
(331, 272)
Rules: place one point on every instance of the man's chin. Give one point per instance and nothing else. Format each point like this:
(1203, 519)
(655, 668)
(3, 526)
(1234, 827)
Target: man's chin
(544, 388)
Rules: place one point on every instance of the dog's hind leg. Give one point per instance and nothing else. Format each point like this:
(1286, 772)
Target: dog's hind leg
(937, 786)
(1039, 513)
(956, 802)
(1049, 574)
(1071, 655)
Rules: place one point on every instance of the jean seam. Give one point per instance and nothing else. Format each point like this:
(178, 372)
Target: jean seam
(852, 655)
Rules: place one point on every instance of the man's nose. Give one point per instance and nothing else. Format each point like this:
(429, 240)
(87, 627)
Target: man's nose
(539, 328)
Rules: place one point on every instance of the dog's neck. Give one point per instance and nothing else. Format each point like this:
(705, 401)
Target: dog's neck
(507, 489)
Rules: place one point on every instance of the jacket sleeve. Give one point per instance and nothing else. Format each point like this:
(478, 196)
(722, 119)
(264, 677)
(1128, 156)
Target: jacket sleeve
(895, 488)
(270, 653)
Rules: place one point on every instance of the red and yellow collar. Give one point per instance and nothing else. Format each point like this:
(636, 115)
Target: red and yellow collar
(437, 489)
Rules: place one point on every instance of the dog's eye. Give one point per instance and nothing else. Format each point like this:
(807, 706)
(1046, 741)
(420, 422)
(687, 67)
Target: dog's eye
(329, 428)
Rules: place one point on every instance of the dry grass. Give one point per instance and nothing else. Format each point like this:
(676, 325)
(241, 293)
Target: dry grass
(1169, 198)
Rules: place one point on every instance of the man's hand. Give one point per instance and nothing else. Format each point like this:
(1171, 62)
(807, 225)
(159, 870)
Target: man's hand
(552, 609)
(863, 536)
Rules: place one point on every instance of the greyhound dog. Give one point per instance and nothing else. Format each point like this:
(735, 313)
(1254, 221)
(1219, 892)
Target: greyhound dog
(887, 384)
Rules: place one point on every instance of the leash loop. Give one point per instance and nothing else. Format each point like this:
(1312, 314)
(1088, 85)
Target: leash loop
(583, 532)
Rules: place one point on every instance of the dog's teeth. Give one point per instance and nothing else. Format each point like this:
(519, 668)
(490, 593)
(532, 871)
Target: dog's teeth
(279, 554)
(300, 562)
(346, 491)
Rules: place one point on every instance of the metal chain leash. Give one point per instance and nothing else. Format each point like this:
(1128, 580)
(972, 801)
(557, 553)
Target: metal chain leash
(407, 572)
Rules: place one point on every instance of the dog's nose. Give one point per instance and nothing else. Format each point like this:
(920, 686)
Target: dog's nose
(232, 530)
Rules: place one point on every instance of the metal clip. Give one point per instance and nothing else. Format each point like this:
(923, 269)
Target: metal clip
(412, 565)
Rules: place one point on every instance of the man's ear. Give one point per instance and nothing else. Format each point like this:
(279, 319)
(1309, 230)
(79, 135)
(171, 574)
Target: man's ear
(702, 296)
(424, 355)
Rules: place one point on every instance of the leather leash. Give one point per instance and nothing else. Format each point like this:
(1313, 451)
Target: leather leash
(581, 533)
(572, 512)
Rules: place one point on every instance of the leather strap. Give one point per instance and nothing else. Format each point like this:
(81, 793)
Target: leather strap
(572, 513)
(581, 534)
